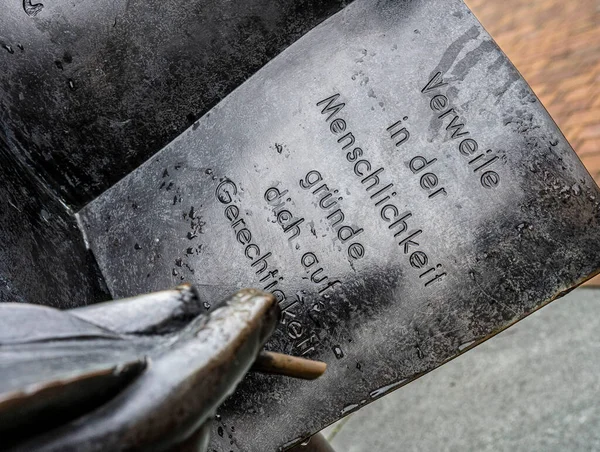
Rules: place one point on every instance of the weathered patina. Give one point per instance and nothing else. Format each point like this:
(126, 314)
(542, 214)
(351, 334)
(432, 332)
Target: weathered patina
(391, 179)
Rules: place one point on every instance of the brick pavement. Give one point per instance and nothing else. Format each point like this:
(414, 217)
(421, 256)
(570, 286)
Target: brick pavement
(555, 44)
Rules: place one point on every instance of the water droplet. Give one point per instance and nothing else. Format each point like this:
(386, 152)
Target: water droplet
(305, 443)
(9, 48)
(208, 171)
(289, 444)
(349, 408)
(522, 226)
(71, 85)
(339, 354)
(217, 417)
(137, 246)
(32, 9)
(385, 389)
(206, 305)
(45, 215)
(576, 189)
(461, 347)
(420, 353)
(220, 431)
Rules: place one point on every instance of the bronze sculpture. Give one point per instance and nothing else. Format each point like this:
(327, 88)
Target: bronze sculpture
(389, 178)
(139, 374)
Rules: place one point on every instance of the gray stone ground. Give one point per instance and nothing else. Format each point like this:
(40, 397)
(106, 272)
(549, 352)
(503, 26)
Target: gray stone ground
(534, 387)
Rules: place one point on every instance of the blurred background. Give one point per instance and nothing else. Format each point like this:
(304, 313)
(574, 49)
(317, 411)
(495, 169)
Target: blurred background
(536, 386)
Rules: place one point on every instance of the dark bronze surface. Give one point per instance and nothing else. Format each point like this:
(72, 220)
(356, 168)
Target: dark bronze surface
(78, 380)
(91, 89)
(391, 179)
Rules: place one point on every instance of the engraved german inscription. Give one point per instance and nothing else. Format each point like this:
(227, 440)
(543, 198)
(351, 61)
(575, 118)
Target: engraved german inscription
(381, 192)
(328, 201)
(398, 132)
(318, 276)
(480, 162)
(290, 224)
(267, 273)
(427, 180)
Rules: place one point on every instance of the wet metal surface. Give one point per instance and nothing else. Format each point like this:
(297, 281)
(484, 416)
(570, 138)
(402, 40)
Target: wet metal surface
(43, 258)
(391, 179)
(91, 89)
